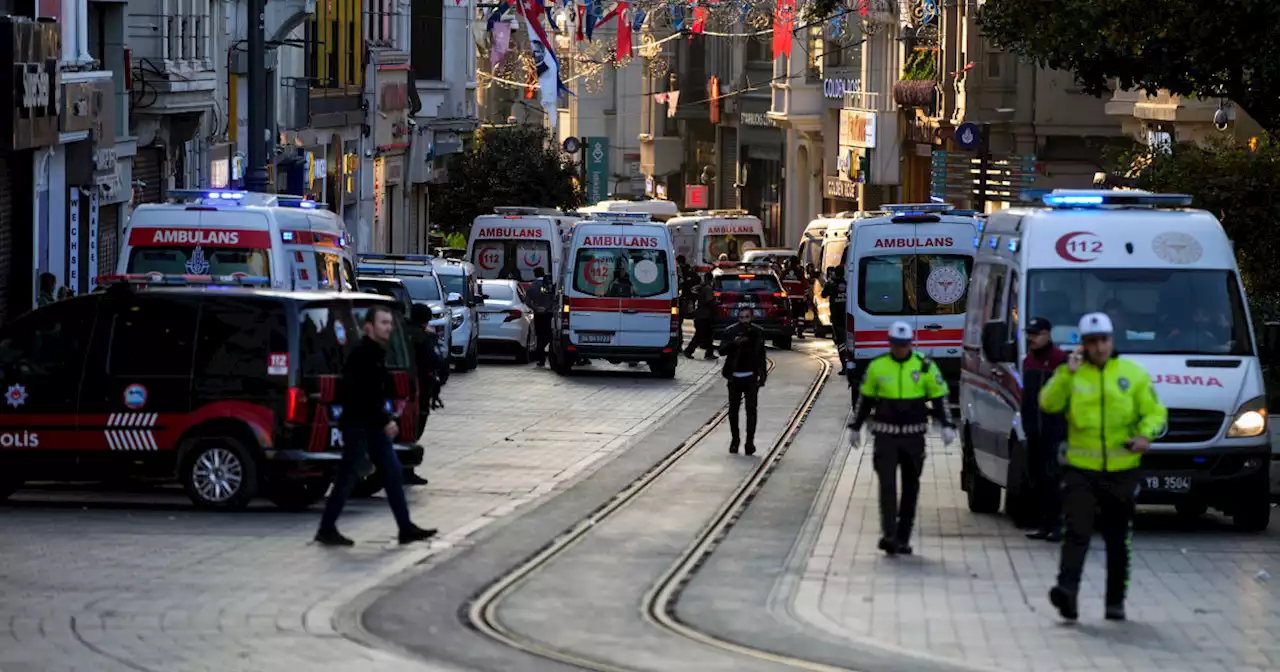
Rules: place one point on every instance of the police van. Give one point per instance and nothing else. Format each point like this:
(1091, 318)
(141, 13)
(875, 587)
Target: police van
(909, 264)
(295, 242)
(701, 237)
(512, 242)
(1166, 274)
(619, 297)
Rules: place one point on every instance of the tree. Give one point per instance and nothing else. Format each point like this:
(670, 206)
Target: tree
(1225, 49)
(1240, 185)
(510, 165)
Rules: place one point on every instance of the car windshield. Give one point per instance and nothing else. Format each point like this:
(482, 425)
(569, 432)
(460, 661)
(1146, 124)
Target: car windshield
(497, 291)
(732, 245)
(745, 284)
(453, 284)
(1154, 310)
(914, 284)
(200, 260)
(510, 259)
(620, 272)
(423, 288)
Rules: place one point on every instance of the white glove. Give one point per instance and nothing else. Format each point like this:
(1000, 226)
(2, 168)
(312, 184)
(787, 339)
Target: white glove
(948, 436)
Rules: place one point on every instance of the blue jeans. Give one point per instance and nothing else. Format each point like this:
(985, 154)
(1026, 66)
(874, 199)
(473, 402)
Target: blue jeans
(356, 444)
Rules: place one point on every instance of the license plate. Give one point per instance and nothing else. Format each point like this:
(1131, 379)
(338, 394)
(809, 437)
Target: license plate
(594, 337)
(1167, 483)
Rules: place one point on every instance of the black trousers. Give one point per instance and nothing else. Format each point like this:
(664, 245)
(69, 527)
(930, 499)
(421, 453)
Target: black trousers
(740, 389)
(1111, 495)
(837, 335)
(702, 337)
(894, 453)
(356, 444)
(542, 332)
(1046, 478)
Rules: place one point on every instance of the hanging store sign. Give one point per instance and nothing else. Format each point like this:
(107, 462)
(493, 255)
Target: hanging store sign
(73, 239)
(841, 189)
(756, 119)
(31, 119)
(93, 240)
(858, 129)
(836, 88)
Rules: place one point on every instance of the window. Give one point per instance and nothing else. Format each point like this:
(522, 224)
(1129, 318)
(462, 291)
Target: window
(329, 269)
(1154, 310)
(455, 284)
(747, 284)
(816, 47)
(1012, 317)
(379, 28)
(51, 340)
(423, 288)
(200, 261)
(510, 259)
(335, 44)
(620, 272)
(397, 347)
(732, 245)
(428, 39)
(235, 339)
(497, 291)
(321, 343)
(994, 302)
(152, 337)
(914, 284)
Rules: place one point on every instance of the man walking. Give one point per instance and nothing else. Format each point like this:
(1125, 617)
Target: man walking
(745, 367)
(897, 387)
(1112, 415)
(793, 276)
(367, 428)
(541, 298)
(836, 290)
(1045, 431)
(703, 318)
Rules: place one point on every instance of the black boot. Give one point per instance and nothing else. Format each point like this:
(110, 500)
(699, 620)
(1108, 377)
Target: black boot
(889, 546)
(1115, 612)
(1065, 603)
(332, 538)
(411, 478)
(415, 533)
(751, 447)
(733, 446)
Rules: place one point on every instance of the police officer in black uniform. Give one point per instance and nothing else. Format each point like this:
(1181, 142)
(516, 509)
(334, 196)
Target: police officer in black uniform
(836, 290)
(745, 369)
(896, 388)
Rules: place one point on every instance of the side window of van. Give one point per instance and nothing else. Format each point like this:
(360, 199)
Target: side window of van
(52, 341)
(1012, 316)
(975, 312)
(995, 294)
(152, 337)
(236, 338)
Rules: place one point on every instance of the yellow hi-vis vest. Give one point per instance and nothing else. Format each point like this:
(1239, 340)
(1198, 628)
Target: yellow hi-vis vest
(1104, 408)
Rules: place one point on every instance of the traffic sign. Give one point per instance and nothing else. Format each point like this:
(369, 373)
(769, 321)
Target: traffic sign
(572, 144)
(968, 135)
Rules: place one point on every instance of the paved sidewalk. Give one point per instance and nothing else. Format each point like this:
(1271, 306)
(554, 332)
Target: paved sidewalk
(143, 583)
(1201, 596)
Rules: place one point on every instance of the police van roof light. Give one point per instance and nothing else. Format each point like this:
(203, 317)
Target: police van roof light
(1068, 198)
(374, 256)
(171, 279)
(917, 208)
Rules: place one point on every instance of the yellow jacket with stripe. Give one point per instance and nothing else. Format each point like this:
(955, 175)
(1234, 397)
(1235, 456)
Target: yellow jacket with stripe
(1104, 408)
(897, 391)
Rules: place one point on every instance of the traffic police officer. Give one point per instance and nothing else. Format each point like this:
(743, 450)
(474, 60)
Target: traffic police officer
(896, 387)
(1112, 416)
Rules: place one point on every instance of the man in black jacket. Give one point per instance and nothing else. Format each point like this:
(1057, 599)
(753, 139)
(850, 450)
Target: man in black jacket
(426, 360)
(1045, 431)
(541, 298)
(367, 428)
(703, 320)
(745, 367)
(836, 290)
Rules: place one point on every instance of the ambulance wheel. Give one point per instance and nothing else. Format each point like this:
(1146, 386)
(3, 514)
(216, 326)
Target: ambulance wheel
(297, 495)
(983, 495)
(218, 472)
(368, 486)
(663, 368)
(1019, 497)
(473, 358)
(1252, 511)
(561, 363)
(782, 343)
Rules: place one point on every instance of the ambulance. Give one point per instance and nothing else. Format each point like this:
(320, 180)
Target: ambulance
(701, 237)
(619, 298)
(658, 210)
(295, 242)
(510, 243)
(1166, 274)
(910, 264)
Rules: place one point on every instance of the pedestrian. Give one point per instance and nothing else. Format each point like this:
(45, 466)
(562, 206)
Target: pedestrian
(896, 390)
(1112, 414)
(794, 274)
(704, 316)
(47, 290)
(367, 429)
(541, 298)
(426, 360)
(745, 369)
(836, 290)
(1045, 431)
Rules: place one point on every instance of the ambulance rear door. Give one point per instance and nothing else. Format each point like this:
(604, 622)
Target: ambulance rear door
(943, 262)
(648, 297)
(595, 316)
(877, 297)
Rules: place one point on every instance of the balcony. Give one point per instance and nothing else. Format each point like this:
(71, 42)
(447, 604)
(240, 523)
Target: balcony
(799, 104)
(172, 55)
(1165, 106)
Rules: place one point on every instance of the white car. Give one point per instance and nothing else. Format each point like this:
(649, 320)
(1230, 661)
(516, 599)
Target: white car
(506, 322)
(462, 297)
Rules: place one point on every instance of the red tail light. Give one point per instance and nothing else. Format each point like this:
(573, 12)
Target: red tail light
(512, 315)
(296, 409)
(779, 295)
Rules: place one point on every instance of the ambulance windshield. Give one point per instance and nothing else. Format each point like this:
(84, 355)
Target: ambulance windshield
(510, 259)
(914, 284)
(199, 260)
(620, 272)
(1156, 311)
(733, 245)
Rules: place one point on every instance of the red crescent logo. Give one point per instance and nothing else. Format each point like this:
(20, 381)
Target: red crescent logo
(596, 272)
(532, 259)
(489, 258)
(1079, 247)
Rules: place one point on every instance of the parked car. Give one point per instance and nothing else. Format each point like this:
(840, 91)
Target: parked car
(462, 297)
(506, 322)
(418, 275)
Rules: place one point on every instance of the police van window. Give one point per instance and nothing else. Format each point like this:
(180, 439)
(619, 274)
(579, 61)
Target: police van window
(620, 272)
(322, 344)
(235, 340)
(152, 338)
(1154, 310)
(456, 284)
(397, 347)
(423, 288)
(200, 260)
(49, 341)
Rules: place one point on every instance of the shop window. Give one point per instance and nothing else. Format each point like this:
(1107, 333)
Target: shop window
(428, 39)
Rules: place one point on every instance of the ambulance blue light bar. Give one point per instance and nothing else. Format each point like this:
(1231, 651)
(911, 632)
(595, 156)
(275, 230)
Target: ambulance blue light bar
(171, 279)
(209, 194)
(396, 258)
(1065, 199)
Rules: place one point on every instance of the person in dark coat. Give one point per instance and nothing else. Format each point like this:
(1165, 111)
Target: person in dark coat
(367, 429)
(703, 320)
(1045, 431)
(745, 368)
(541, 297)
(427, 364)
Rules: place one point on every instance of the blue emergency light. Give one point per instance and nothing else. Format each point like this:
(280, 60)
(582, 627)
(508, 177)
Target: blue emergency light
(286, 236)
(1066, 198)
(226, 195)
(917, 208)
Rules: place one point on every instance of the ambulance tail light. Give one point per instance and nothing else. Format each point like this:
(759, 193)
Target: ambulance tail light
(564, 318)
(296, 406)
(675, 318)
(512, 315)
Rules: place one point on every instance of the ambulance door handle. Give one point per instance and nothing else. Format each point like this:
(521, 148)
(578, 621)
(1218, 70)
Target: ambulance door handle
(933, 326)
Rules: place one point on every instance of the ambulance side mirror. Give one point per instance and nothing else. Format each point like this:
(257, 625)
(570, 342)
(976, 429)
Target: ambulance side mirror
(996, 346)
(454, 299)
(1270, 350)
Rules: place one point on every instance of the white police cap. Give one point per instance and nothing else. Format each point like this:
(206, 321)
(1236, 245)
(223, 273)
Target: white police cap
(900, 332)
(1096, 324)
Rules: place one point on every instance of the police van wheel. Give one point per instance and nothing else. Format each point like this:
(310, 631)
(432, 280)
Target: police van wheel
(783, 343)
(218, 472)
(368, 486)
(663, 368)
(983, 495)
(9, 483)
(1252, 511)
(297, 495)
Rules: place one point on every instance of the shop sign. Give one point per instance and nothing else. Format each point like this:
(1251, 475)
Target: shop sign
(857, 129)
(448, 142)
(841, 189)
(756, 119)
(696, 196)
(921, 131)
(73, 239)
(392, 120)
(82, 104)
(597, 169)
(836, 88)
(31, 120)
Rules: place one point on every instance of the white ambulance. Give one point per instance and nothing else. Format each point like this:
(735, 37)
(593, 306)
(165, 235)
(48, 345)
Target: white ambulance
(293, 241)
(911, 263)
(619, 298)
(513, 241)
(658, 210)
(1167, 276)
(701, 237)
